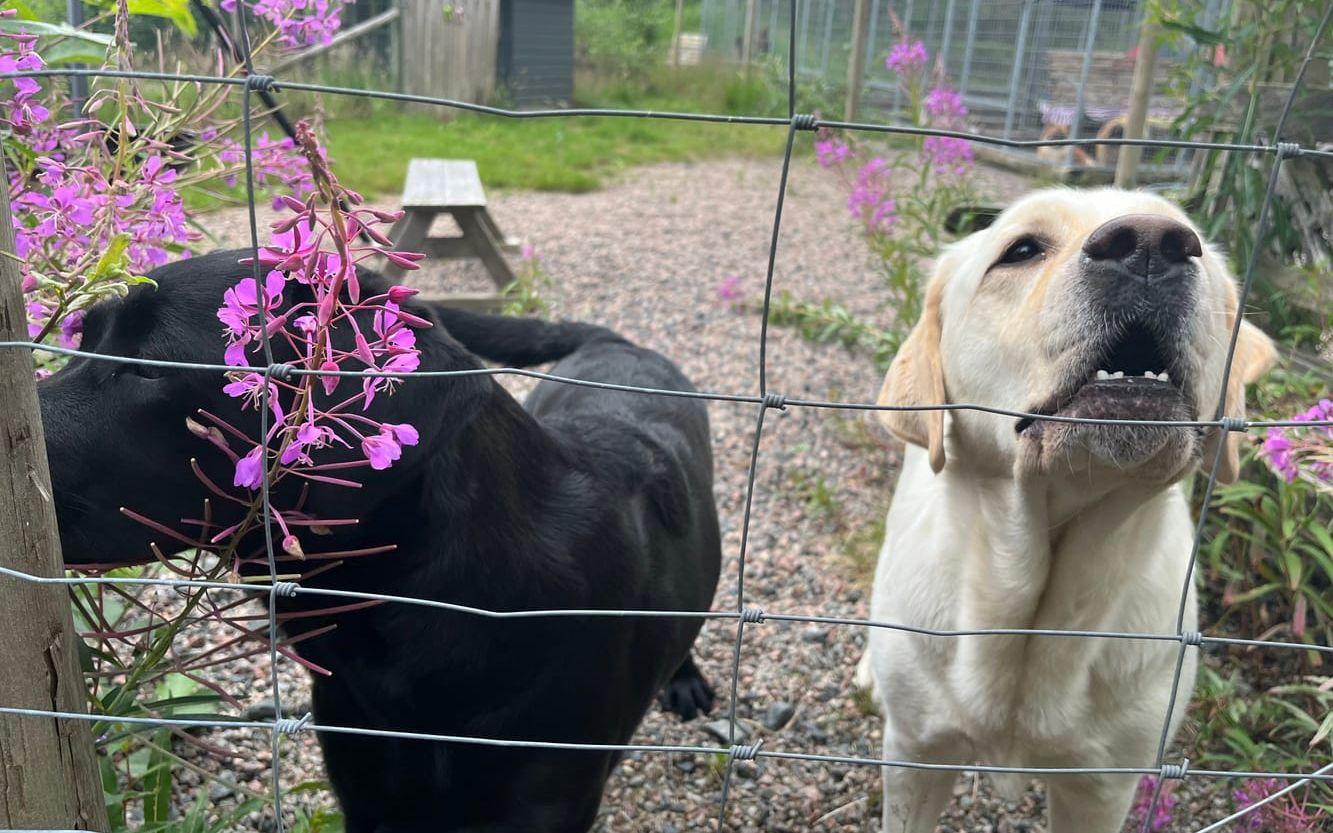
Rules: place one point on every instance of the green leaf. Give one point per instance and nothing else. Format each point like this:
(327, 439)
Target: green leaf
(1255, 593)
(1324, 729)
(1200, 35)
(55, 30)
(73, 51)
(177, 11)
(157, 782)
(113, 259)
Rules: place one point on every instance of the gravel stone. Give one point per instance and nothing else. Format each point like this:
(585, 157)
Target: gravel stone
(778, 715)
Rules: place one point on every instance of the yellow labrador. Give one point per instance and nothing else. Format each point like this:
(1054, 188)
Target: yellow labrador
(1101, 304)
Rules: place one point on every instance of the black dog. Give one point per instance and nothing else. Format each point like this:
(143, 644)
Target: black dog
(585, 499)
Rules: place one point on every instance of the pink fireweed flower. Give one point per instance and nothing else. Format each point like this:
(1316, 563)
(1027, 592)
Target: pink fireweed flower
(1297, 452)
(385, 448)
(907, 58)
(830, 152)
(311, 436)
(1286, 814)
(240, 304)
(289, 249)
(1166, 802)
(299, 23)
(869, 199)
(729, 291)
(250, 386)
(250, 469)
(945, 107)
(947, 155)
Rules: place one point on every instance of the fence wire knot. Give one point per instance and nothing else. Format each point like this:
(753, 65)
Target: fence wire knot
(741, 752)
(1177, 771)
(262, 83)
(286, 588)
(1192, 638)
(1288, 150)
(775, 400)
(281, 372)
(1234, 424)
(292, 725)
(805, 121)
(753, 615)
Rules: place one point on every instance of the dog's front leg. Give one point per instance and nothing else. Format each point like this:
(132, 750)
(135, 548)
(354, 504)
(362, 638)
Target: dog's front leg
(1090, 803)
(913, 798)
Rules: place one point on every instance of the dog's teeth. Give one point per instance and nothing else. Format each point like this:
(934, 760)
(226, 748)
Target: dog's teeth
(1148, 374)
(1163, 377)
(1119, 374)
(1102, 374)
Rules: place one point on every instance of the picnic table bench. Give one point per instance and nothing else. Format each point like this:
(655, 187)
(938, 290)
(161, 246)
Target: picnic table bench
(452, 186)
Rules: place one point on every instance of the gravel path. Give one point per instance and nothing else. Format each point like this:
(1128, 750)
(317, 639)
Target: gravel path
(645, 256)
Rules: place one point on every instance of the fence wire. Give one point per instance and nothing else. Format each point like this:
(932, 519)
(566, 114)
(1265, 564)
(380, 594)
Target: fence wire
(254, 82)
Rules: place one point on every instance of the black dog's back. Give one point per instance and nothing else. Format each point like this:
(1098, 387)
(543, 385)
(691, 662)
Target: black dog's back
(586, 498)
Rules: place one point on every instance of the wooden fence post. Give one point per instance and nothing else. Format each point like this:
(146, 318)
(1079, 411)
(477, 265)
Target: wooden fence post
(747, 36)
(1140, 94)
(856, 65)
(48, 768)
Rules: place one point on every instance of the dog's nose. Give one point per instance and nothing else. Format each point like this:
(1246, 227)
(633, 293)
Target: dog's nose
(1147, 245)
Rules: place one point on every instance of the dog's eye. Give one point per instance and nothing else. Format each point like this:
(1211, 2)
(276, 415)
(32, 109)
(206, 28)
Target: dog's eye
(1021, 250)
(145, 371)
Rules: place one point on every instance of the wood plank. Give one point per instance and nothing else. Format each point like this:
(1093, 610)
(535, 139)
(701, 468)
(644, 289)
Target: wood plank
(487, 247)
(479, 301)
(449, 248)
(443, 183)
(409, 235)
(508, 245)
(48, 767)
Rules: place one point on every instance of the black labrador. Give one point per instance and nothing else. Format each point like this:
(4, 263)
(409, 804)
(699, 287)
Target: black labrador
(581, 498)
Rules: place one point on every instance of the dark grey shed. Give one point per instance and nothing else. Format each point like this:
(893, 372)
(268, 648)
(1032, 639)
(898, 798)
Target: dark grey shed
(536, 51)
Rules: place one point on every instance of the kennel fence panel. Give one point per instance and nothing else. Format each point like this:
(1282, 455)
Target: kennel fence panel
(809, 28)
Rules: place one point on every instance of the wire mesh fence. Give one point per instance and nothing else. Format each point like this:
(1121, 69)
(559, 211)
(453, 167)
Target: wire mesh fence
(808, 35)
(1025, 68)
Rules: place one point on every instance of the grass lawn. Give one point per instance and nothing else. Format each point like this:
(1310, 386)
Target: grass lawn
(556, 154)
(371, 142)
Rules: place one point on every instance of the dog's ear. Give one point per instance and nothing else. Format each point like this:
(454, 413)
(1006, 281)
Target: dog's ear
(1255, 354)
(916, 377)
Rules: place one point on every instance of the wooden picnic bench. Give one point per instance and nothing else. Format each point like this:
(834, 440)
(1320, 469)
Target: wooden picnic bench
(452, 186)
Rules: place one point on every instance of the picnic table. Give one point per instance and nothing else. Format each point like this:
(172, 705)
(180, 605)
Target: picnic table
(453, 187)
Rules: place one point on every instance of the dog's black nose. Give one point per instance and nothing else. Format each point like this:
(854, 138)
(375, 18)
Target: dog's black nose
(1149, 246)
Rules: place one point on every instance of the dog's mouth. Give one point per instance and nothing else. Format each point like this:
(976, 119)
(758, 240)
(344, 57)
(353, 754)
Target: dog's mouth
(1133, 376)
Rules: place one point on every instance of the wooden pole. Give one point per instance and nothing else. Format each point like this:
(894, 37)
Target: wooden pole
(1140, 93)
(747, 36)
(856, 66)
(48, 768)
(675, 33)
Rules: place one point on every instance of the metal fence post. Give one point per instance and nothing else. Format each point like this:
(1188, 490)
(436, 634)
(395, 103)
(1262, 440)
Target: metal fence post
(804, 44)
(48, 768)
(1017, 74)
(1093, 19)
(78, 85)
(946, 41)
(829, 9)
(967, 48)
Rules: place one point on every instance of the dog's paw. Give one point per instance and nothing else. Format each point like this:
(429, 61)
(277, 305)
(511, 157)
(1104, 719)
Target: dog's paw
(687, 695)
(864, 677)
